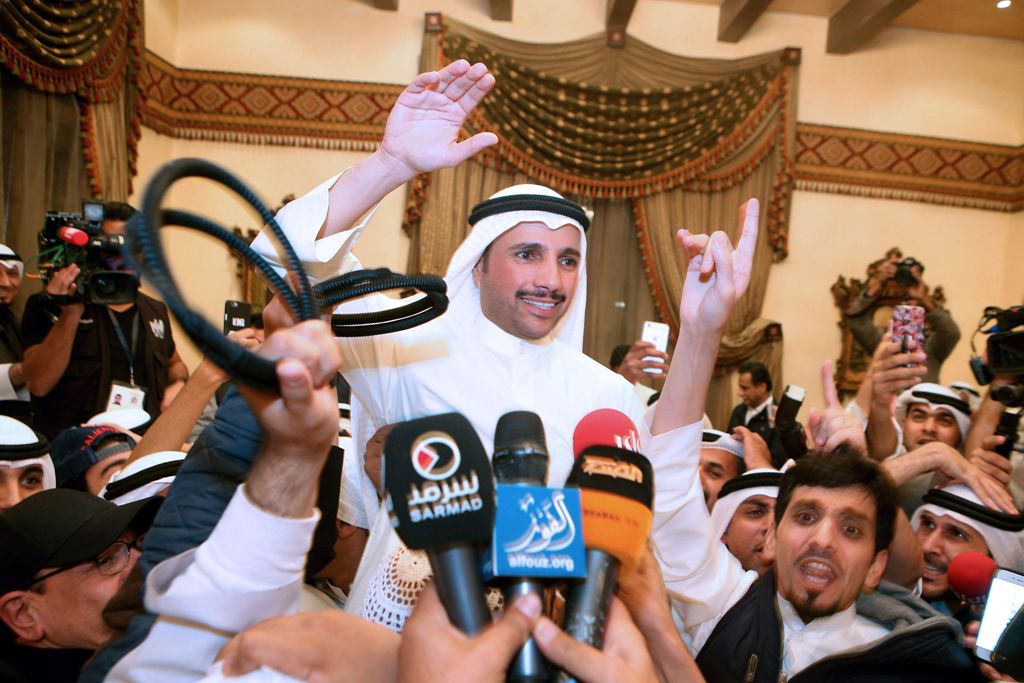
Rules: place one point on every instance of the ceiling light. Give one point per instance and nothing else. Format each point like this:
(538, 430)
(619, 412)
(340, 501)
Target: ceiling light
(1003, 4)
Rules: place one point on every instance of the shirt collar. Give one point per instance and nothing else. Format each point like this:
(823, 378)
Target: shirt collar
(751, 412)
(838, 622)
(503, 343)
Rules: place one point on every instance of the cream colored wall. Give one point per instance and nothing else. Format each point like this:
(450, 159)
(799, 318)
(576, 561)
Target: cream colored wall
(830, 235)
(905, 80)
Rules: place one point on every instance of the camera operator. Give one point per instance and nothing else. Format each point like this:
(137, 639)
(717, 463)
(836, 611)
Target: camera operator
(115, 215)
(941, 332)
(84, 358)
(13, 394)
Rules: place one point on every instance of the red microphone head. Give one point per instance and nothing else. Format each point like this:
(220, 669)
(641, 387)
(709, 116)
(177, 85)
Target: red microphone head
(970, 575)
(73, 236)
(605, 427)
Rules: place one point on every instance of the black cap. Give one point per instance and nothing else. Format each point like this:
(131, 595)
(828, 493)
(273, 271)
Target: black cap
(61, 527)
(77, 449)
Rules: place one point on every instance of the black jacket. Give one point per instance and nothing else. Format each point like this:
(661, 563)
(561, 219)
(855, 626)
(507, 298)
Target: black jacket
(762, 426)
(923, 646)
(83, 389)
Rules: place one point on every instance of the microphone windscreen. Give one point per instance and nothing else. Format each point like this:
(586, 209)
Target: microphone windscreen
(73, 236)
(616, 495)
(970, 575)
(520, 449)
(605, 427)
(440, 490)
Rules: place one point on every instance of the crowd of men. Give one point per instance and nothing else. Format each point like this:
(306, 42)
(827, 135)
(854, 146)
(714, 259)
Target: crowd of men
(262, 548)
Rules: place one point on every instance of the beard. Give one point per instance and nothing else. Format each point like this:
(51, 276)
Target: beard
(811, 607)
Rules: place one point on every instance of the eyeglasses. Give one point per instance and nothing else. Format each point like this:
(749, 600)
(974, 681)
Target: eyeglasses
(111, 561)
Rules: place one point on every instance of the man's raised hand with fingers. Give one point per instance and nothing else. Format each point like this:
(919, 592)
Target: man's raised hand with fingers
(716, 277)
(421, 135)
(833, 426)
(892, 372)
(300, 423)
(433, 649)
(252, 564)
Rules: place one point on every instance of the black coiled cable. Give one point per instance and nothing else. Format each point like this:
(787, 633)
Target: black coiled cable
(306, 302)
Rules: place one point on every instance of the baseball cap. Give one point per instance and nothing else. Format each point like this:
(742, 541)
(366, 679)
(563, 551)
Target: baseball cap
(77, 449)
(61, 527)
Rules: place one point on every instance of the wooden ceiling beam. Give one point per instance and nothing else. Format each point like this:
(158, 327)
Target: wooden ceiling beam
(858, 21)
(735, 17)
(501, 10)
(619, 14)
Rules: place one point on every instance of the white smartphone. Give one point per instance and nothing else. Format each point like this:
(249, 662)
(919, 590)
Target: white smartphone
(657, 334)
(1005, 598)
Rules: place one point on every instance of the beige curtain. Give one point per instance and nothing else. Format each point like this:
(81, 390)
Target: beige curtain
(651, 142)
(618, 295)
(114, 146)
(89, 53)
(41, 165)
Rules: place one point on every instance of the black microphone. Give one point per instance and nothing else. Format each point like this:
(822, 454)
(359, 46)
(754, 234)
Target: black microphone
(440, 497)
(617, 494)
(521, 457)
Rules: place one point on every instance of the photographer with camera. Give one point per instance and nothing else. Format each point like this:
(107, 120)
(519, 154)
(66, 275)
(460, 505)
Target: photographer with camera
(941, 332)
(93, 342)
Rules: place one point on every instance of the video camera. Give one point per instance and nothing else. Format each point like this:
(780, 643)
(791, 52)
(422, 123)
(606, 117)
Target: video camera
(1005, 353)
(77, 238)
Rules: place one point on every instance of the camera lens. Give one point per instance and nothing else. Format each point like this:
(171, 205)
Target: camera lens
(104, 287)
(111, 287)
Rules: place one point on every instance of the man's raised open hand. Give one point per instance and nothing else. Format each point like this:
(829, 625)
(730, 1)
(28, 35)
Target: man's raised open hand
(423, 128)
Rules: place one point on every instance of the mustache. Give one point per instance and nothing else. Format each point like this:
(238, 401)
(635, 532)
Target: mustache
(815, 553)
(557, 297)
(936, 562)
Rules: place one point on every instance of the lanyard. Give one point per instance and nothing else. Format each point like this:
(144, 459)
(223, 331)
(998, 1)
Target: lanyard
(129, 351)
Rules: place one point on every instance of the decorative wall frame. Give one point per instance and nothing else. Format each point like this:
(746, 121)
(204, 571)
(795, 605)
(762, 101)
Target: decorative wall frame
(853, 362)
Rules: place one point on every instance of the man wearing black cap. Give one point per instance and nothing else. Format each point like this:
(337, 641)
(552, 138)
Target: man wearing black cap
(65, 554)
(85, 458)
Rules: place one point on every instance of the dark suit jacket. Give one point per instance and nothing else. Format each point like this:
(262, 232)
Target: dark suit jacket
(761, 426)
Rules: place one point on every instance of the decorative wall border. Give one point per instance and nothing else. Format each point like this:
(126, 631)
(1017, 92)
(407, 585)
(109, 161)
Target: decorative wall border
(257, 109)
(348, 115)
(909, 167)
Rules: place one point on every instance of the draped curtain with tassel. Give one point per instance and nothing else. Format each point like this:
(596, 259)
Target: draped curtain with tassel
(68, 77)
(649, 141)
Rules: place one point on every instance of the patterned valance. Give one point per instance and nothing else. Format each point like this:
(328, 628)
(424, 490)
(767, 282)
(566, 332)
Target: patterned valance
(618, 134)
(72, 46)
(633, 123)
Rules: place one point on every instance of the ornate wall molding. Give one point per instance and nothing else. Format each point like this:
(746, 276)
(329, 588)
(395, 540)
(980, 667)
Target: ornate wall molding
(909, 167)
(263, 110)
(348, 115)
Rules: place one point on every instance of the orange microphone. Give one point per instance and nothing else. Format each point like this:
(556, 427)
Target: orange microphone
(616, 494)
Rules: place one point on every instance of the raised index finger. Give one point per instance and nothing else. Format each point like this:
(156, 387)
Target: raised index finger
(749, 216)
(828, 386)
